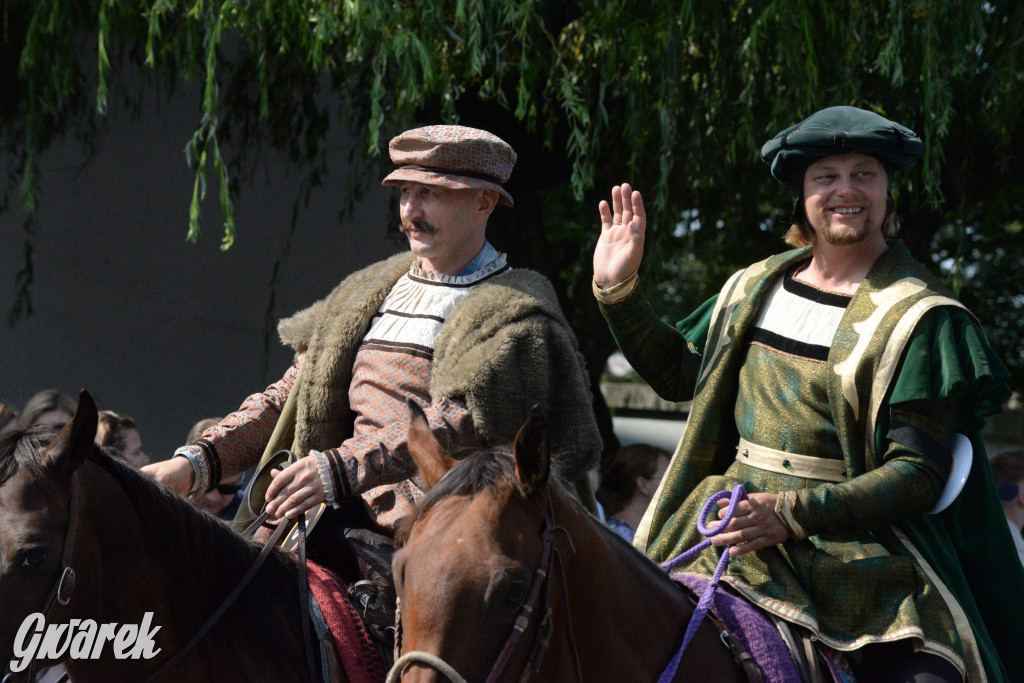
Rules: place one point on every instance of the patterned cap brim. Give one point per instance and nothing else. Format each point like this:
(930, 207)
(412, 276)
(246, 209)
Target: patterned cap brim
(448, 180)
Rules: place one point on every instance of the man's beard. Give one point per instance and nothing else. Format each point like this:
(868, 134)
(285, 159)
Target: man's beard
(423, 225)
(844, 235)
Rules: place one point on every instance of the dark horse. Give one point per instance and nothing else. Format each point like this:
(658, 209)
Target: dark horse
(495, 533)
(134, 547)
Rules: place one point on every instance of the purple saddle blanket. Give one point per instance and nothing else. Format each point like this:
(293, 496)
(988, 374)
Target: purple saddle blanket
(755, 630)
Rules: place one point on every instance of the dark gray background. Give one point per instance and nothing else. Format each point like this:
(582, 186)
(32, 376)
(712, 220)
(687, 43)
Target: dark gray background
(166, 331)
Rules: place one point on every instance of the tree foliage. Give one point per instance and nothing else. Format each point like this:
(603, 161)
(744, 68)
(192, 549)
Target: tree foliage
(675, 95)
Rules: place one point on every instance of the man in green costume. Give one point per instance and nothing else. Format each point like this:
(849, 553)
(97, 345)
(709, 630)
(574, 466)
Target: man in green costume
(830, 380)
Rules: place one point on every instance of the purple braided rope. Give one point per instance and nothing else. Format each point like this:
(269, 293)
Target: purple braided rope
(737, 494)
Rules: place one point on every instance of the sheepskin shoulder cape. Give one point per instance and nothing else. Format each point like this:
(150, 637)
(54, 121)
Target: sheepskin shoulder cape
(503, 349)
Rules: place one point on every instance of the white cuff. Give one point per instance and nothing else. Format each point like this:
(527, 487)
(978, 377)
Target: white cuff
(323, 468)
(200, 468)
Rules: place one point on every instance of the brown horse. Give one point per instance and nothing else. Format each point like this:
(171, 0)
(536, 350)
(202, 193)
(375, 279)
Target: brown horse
(133, 547)
(497, 533)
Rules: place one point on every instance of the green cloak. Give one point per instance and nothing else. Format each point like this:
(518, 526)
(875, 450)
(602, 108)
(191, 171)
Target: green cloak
(888, 350)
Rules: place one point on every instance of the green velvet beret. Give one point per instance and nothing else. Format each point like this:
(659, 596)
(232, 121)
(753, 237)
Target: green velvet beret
(840, 130)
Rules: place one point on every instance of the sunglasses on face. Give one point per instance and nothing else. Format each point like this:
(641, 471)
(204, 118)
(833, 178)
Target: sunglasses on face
(228, 489)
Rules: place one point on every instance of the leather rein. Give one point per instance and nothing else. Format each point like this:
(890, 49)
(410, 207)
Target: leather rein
(541, 584)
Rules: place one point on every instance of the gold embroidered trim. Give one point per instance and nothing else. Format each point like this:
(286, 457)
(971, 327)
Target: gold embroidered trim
(617, 292)
(971, 663)
(890, 361)
(784, 511)
(884, 301)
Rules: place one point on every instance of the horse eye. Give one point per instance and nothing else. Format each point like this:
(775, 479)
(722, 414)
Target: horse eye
(516, 593)
(35, 558)
(398, 572)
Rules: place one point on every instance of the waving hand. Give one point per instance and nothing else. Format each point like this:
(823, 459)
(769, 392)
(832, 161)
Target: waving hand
(620, 248)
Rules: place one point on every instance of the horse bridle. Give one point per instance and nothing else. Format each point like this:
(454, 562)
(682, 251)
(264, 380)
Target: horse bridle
(64, 588)
(542, 639)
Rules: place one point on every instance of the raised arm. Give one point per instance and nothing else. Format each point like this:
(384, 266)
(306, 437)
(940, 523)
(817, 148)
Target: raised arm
(620, 248)
(661, 354)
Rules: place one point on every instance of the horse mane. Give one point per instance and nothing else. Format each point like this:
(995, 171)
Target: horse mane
(17, 449)
(175, 524)
(475, 472)
(172, 526)
(482, 470)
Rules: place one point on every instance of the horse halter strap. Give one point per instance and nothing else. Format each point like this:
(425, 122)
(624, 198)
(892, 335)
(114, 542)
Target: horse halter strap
(541, 580)
(64, 588)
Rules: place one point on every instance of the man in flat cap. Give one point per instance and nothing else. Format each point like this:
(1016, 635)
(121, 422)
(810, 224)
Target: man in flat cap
(450, 326)
(829, 380)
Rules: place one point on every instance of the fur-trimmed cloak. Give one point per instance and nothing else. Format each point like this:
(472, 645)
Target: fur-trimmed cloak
(505, 347)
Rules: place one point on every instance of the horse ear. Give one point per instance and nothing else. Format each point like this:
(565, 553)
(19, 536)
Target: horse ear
(532, 452)
(75, 440)
(430, 456)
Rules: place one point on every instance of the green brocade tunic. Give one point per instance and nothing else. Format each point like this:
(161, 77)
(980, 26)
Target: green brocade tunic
(874, 566)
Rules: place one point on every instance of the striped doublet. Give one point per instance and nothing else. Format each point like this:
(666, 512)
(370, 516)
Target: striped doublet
(411, 316)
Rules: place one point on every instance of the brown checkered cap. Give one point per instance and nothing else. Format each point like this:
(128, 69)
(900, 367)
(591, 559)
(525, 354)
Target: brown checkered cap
(455, 157)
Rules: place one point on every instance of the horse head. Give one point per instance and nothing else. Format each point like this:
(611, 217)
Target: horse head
(37, 490)
(530, 451)
(139, 554)
(471, 552)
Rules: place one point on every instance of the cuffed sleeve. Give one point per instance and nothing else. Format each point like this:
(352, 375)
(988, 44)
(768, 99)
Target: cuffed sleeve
(908, 483)
(371, 460)
(664, 356)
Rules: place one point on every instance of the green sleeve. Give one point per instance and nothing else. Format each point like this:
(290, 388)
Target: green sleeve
(949, 380)
(949, 359)
(968, 544)
(908, 483)
(667, 358)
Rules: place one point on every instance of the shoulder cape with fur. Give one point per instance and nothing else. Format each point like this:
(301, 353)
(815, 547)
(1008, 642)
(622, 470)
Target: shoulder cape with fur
(963, 548)
(505, 347)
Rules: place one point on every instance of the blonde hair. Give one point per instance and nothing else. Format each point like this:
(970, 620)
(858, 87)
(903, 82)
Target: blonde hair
(8, 416)
(44, 402)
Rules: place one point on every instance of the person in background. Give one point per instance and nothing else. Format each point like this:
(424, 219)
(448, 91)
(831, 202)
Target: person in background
(199, 427)
(48, 407)
(120, 437)
(8, 419)
(1008, 469)
(628, 482)
(224, 498)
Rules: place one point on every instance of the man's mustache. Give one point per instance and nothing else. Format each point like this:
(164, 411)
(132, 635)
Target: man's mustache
(423, 225)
